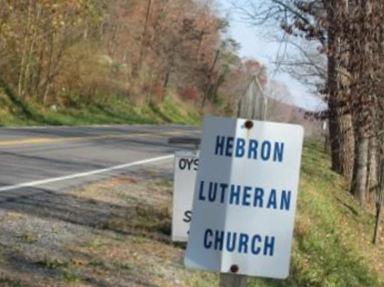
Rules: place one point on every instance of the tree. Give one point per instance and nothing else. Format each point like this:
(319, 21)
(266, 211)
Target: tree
(347, 32)
(35, 37)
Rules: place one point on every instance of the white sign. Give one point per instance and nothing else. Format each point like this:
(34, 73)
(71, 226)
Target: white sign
(245, 197)
(186, 164)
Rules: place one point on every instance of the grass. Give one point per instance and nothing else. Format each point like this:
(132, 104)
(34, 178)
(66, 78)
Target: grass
(10, 283)
(332, 234)
(129, 241)
(52, 263)
(29, 237)
(117, 110)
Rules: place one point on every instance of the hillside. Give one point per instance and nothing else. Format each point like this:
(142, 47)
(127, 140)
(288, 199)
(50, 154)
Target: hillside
(332, 233)
(116, 110)
(116, 233)
(104, 62)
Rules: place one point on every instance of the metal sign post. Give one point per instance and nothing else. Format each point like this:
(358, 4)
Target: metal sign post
(231, 280)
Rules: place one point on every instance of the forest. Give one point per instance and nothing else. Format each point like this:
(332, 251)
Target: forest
(341, 47)
(60, 55)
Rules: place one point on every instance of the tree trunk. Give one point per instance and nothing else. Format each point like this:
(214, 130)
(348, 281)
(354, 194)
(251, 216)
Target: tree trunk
(379, 205)
(376, 231)
(373, 176)
(170, 64)
(28, 74)
(363, 99)
(341, 133)
(47, 81)
(166, 79)
(23, 61)
(143, 40)
(209, 86)
(360, 175)
(347, 146)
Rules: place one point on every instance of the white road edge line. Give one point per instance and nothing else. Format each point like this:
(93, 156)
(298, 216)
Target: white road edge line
(83, 174)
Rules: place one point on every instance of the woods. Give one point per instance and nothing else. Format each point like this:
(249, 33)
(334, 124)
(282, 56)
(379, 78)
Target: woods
(350, 36)
(64, 54)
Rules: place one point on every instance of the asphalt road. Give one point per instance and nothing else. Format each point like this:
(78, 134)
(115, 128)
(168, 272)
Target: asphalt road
(57, 158)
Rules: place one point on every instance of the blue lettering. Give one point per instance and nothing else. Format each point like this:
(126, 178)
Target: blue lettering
(224, 187)
(278, 152)
(219, 239)
(220, 141)
(201, 191)
(243, 243)
(266, 150)
(207, 244)
(240, 242)
(231, 241)
(285, 200)
(246, 195)
(240, 151)
(252, 149)
(212, 191)
(235, 194)
(269, 245)
(259, 195)
(272, 200)
(229, 148)
(254, 248)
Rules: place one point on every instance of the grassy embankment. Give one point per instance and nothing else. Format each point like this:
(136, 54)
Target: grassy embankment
(333, 234)
(116, 233)
(116, 110)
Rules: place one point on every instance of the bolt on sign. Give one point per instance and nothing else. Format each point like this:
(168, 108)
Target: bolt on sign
(245, 197)
(185, 167)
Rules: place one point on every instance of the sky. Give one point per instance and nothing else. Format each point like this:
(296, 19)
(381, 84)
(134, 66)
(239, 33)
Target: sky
(256, 43)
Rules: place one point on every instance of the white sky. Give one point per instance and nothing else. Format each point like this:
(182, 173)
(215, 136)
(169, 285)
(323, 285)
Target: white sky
(257, 44)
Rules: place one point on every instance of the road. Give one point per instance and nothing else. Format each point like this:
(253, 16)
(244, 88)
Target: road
(57, 158)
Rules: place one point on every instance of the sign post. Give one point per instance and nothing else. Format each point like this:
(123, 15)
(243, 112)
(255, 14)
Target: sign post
(245, 199)
(252, 105)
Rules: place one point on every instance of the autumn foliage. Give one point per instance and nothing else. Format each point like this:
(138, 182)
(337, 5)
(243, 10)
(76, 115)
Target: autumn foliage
(68, 53)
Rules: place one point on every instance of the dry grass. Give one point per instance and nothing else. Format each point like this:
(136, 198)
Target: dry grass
(117, 233)
(111, 233)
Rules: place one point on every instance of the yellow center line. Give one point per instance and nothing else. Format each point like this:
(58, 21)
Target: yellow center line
(47, 140)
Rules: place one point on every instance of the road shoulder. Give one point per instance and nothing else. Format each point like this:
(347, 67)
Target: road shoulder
(110, 233)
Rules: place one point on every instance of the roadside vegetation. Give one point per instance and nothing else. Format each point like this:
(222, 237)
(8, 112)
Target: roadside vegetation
(85, 62)
(338, 44)
(116, 111)
(117, 233)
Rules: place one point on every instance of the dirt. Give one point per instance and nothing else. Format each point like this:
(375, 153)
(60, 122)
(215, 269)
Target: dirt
(115, 232)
